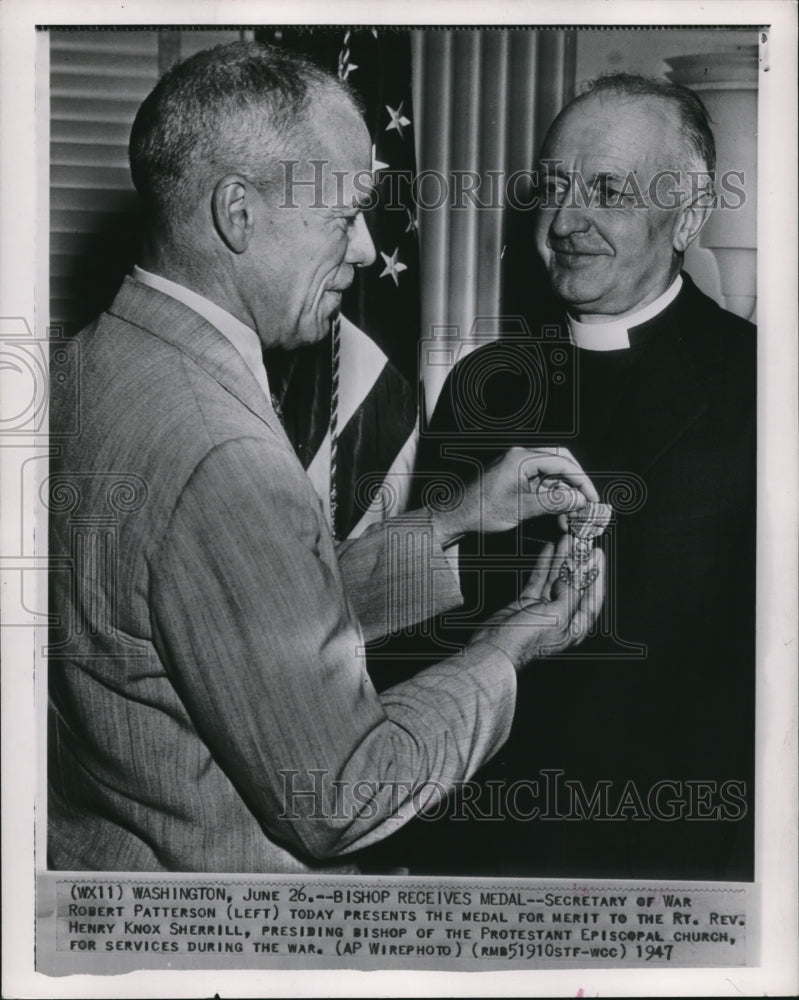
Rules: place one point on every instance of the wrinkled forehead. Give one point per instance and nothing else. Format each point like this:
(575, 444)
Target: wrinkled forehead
(336, 147)
(335, 131)
(328, 164)
(610, 133)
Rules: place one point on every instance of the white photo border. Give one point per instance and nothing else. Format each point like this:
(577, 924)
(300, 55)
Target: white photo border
(23, 275)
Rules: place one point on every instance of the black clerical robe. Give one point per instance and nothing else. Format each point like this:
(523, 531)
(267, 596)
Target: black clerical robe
(637, 748)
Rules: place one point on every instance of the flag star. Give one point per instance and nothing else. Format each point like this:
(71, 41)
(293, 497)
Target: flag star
(398, 119)
(393, 267)
(377, 164)
(345, 67)
(413, 222)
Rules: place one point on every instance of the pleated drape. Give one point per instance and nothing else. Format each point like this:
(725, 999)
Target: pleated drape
(483, 100)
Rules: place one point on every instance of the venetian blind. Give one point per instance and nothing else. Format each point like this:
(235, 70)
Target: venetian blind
(98, 79)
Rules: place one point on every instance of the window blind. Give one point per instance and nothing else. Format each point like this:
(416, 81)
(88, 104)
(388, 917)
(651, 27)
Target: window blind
(98, 79)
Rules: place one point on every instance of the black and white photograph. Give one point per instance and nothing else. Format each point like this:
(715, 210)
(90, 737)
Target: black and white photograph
(399, 499)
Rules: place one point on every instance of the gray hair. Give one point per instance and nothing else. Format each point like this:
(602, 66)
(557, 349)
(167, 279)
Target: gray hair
(238, 107)
(694, 122)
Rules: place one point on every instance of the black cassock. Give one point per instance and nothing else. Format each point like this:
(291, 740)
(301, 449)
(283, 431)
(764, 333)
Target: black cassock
(637, 748)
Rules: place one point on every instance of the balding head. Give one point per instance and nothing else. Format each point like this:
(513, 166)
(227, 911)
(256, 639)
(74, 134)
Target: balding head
(691, 146)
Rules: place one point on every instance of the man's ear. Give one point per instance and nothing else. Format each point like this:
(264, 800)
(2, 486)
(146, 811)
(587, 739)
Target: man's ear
(232, 207)
(691, 219)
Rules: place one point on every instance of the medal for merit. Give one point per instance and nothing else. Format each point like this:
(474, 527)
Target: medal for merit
(585, 526)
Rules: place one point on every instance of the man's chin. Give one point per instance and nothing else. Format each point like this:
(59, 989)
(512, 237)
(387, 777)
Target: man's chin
(573, 290)
(306, 336)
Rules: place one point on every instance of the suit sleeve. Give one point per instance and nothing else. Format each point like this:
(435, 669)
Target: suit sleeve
(252, 622)
(396, 574)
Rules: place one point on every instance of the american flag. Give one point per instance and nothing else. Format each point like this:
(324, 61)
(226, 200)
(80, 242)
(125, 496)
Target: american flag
(350, 404)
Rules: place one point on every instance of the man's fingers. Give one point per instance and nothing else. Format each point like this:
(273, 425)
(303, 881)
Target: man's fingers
(553, 496)
(577, 610)
(556, 451)
(590, 603)
(560, 589)
(556, 496)
(537, 586)
(533, 627)
(559, 556)
(546, 465)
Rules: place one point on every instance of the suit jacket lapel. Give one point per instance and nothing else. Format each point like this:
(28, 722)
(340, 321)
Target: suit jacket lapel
(197, 339)
(673, 376)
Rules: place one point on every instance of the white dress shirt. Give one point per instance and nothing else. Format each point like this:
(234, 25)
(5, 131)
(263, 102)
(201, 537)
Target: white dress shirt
(242, 337)
(613, 335)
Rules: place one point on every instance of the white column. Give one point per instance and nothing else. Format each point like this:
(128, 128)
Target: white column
(726, 81)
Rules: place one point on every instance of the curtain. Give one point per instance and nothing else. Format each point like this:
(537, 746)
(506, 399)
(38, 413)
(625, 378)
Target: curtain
(483, 98)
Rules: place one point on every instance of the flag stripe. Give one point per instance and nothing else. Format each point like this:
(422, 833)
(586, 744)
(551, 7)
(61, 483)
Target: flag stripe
(372, 410)
(370, 442)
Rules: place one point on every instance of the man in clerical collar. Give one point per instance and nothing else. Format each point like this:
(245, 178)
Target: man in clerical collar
(641, 744)
(626, 173)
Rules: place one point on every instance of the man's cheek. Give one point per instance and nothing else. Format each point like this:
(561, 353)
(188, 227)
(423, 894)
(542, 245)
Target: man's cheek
(543, 250)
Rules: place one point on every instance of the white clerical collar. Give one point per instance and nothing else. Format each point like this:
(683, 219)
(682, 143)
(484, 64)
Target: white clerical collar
(243, 338)
(614, 335)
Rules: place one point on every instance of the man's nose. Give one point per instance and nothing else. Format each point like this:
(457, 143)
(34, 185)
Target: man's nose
(570, 217)
(361, 250)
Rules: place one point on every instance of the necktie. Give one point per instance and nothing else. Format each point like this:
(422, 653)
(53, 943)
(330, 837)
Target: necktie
(277, 408)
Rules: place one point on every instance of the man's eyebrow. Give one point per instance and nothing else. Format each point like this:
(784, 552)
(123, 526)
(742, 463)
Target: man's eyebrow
(552, 167)
(608, 174)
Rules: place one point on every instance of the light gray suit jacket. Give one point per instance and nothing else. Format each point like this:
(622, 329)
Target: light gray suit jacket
(210, 708)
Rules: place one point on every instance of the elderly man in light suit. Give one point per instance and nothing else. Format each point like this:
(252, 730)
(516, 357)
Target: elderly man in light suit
(209, 706)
